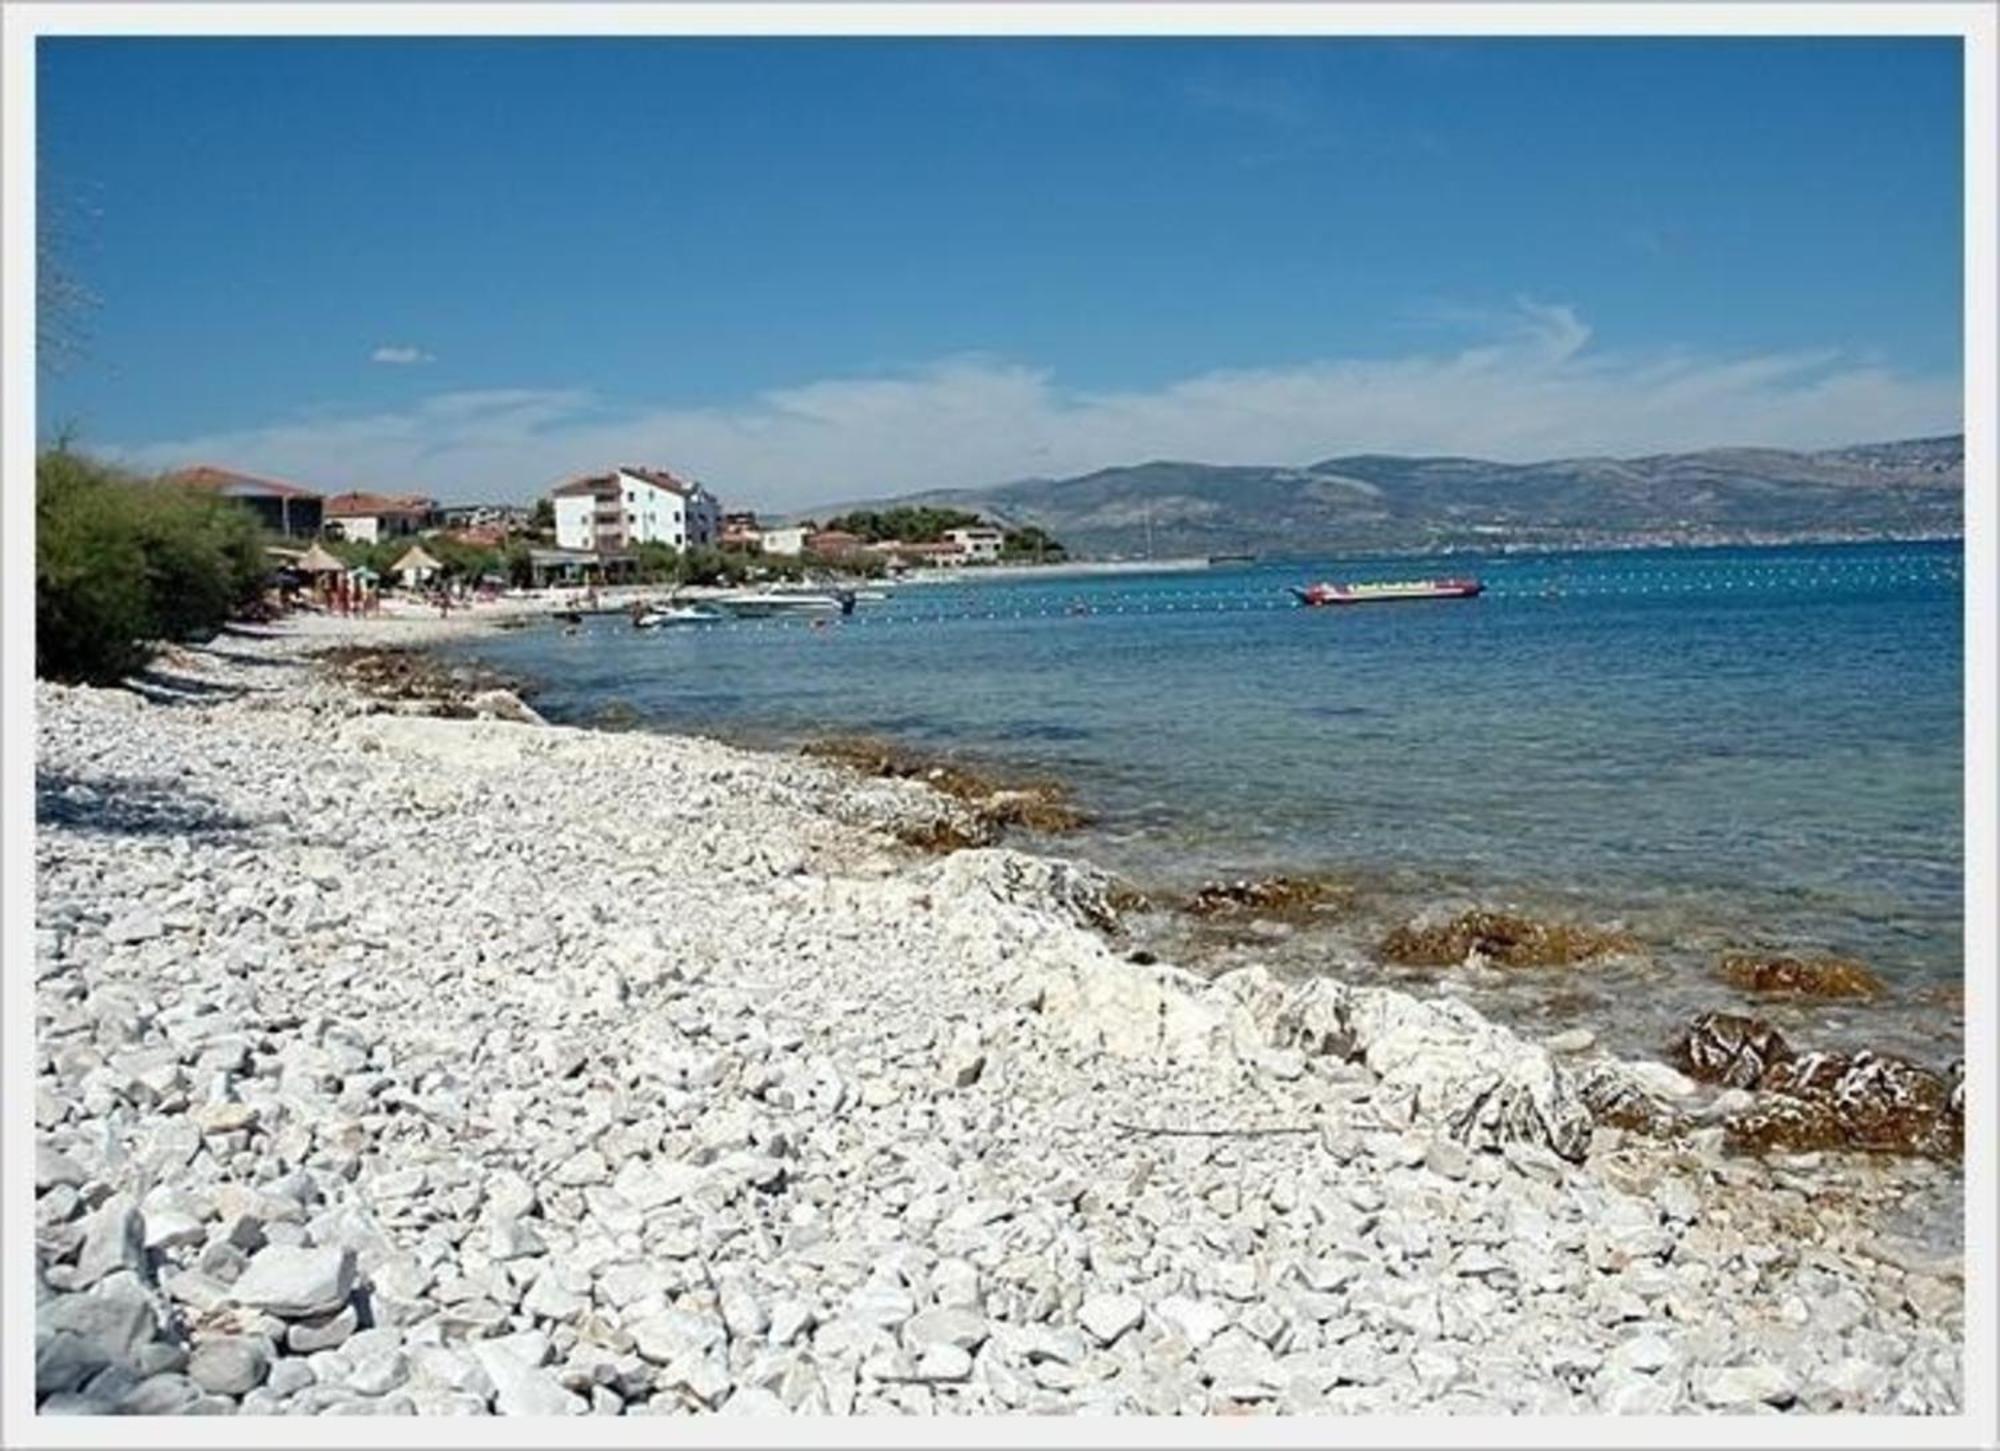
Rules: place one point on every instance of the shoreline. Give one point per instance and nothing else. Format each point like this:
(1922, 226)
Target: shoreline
(1160, 910)
(1686, 947)
(636, 977)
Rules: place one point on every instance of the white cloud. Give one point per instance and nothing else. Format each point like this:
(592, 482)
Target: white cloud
(1533, 385)
(400, 355)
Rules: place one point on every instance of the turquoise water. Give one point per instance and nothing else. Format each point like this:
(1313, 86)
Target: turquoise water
(1710, 746)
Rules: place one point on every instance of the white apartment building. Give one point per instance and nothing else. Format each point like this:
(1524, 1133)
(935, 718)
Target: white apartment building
(631, 506)
(977, 545)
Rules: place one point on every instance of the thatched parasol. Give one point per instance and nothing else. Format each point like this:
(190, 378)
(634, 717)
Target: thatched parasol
(317, 560)
(415, 561)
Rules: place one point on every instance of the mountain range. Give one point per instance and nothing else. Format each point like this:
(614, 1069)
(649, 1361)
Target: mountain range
(1365, 502)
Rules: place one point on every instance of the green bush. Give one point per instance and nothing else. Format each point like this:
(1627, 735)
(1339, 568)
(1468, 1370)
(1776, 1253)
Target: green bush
(457, 558)
(701, 564)
(92, 596)
(913, 524)
(657, 563)
(867, 566)
(1031, 543)
(519, 565)
(204, 559)
(121, 564)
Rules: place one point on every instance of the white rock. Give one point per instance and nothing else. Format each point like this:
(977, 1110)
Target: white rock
(53, 1168)
(965, 1058)
(742, 1313)
(1107, 1317)
(1645, 1353)
(295, 1283)
(1197, 1321)
(1742, 1385)
(945, 1326)
(324, 1332)
(520, 1389)
(1854, 1381)
(229, 1365)
(586, 1166)
(675, 1335)
(140, 925)
(789, 1320)
(943, 1362)
(114, 1240)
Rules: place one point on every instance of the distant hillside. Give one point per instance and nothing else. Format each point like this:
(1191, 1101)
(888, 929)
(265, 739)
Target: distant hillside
(1383, 501)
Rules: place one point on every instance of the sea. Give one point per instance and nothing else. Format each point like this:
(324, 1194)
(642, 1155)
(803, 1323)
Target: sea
(1710, 748)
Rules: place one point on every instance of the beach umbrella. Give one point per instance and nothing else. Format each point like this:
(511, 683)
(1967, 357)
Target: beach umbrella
(318, 560)
(415, 562)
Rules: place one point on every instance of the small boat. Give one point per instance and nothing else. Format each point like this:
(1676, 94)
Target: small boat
(674, 615)
(1405, 589)
(788, 602)
(569, 617)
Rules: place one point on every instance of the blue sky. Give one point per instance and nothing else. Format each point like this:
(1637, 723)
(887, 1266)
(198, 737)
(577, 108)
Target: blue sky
(808, 269)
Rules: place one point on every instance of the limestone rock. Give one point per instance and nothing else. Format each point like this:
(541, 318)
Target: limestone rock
(296, 1283)
(231, 1365)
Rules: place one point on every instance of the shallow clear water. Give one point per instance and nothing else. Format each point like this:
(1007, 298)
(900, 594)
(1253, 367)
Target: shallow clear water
(1711, 746)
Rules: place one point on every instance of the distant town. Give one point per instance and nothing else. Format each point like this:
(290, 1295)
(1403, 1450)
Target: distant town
(627, 524)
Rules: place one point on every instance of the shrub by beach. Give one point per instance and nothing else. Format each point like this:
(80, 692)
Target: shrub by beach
(123, 564)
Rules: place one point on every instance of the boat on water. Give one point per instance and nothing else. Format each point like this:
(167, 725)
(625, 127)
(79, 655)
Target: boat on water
(786, 602)
(674, 615)
(1325, 593)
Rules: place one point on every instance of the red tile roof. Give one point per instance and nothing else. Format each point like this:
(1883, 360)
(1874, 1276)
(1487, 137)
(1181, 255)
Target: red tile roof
(208, 476)
(362, 505)
(586, 484)
(922, 548)
(833, 541)
(660, 478)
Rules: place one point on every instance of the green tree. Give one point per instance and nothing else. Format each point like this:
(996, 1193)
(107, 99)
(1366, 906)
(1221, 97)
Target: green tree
(658, 563)
(204, 558)
(1031, 542)
(701, 564)
(92, 594)
(519, 565)
(460, 559)
(868, 566)
(121, 563)
(913, 524)
(377, 555)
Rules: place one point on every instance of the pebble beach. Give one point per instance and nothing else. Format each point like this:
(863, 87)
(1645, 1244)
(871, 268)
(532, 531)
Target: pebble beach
(389, 1062)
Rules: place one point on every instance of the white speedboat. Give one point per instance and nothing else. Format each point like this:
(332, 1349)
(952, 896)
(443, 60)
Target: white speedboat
(787, 602)
(675, 615)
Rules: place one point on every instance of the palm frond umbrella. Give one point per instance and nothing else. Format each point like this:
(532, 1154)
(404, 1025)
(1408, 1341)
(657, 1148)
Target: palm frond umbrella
(415, 564)
(319, 560)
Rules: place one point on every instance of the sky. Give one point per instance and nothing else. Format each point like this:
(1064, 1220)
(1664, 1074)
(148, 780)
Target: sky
(816, 270)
